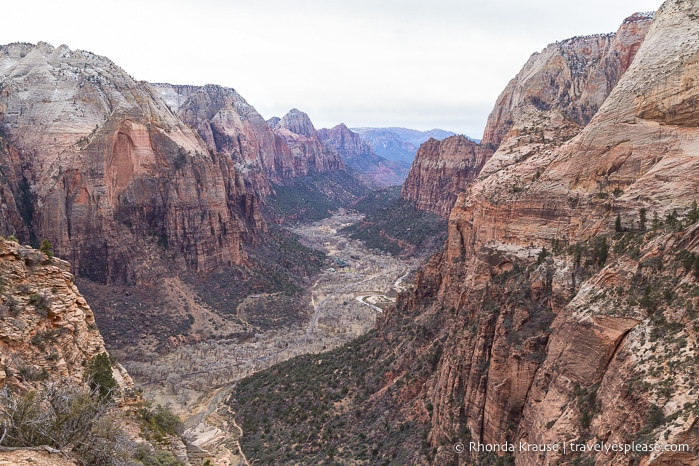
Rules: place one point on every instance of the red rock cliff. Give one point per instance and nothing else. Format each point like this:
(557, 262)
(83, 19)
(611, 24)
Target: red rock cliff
(546, 320)
(299, 148)
(115, 180)
(547, 349)
(440, 171)
(549, 101)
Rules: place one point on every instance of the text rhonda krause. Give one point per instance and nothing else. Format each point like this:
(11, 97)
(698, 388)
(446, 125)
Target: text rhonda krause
(573, 447)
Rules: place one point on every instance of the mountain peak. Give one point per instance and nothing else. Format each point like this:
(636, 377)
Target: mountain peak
(298, 122)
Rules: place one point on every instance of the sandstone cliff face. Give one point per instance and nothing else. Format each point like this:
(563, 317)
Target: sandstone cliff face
(114, 178)
(230, 127)
(559, 89)
(557, 349)
(300, 149)
(47, 329)
(551, 99)
(544, 324)
(359, 156)
(440, 171)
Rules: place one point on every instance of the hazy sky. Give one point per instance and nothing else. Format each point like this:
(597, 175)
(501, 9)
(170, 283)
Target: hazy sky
(419, 64)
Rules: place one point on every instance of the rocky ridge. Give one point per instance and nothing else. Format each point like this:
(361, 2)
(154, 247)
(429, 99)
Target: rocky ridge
(305, 149)
(101, 166)
(360, 157)
(47, 329)
(440, 171)
(549, 101)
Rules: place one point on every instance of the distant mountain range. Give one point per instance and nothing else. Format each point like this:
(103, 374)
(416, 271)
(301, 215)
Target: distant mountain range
(398, 144)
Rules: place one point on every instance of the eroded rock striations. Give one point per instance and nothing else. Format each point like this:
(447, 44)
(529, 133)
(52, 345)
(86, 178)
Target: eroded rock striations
(557, 329)
(101, 166)
(47, 329)
(549, 101)
(300, 146)
(440, 171)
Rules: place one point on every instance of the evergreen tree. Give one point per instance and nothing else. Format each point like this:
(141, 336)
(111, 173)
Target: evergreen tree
(99, 375)
(47, 248)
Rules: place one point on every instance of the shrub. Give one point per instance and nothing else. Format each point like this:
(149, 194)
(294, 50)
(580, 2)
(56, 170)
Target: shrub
(98, 375)
(67, 416)
(39, 301)
(39, 339)
(157, 458)
(161, 421)
(600, 250)
(47, 248)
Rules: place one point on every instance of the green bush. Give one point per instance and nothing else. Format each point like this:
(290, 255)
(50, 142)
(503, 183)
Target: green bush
(47, 248)
(161, 421)
(156, 458)
(98, 375)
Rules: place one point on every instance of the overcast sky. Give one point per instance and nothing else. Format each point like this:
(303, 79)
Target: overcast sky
(419, 64)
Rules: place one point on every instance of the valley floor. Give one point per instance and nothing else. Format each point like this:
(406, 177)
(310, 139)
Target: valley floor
(344, 300)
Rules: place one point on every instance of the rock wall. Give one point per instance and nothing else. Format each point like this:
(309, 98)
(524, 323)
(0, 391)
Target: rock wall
(549, 101)
(548, 320)
(550, 357)
(440, 171)
(299, 147)
(47, 329)
(110, 175)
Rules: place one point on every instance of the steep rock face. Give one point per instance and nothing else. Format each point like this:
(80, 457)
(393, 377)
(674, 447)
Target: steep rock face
(551, 99)
(547, 349)
(440, 171)
(111, 172)
(47, 329)
(559, 89)
(299, 148)
(359, 156)
(230, 127)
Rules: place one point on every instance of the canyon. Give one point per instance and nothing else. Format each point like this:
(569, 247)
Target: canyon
(223, 254)
(558, 312)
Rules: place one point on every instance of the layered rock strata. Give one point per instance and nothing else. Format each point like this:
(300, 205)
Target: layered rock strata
(103, 168)
(300, 147)
(440, 171)
(47, 329)
(549, 101)
(546, 348)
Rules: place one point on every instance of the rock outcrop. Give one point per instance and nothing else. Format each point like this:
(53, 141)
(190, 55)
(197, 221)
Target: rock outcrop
(231, 128)
(560, 88)
(440, 171)
(300, 149)
(360, 157)
(549, 101)
(101, 167)
(556, 329)
(47, 329)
